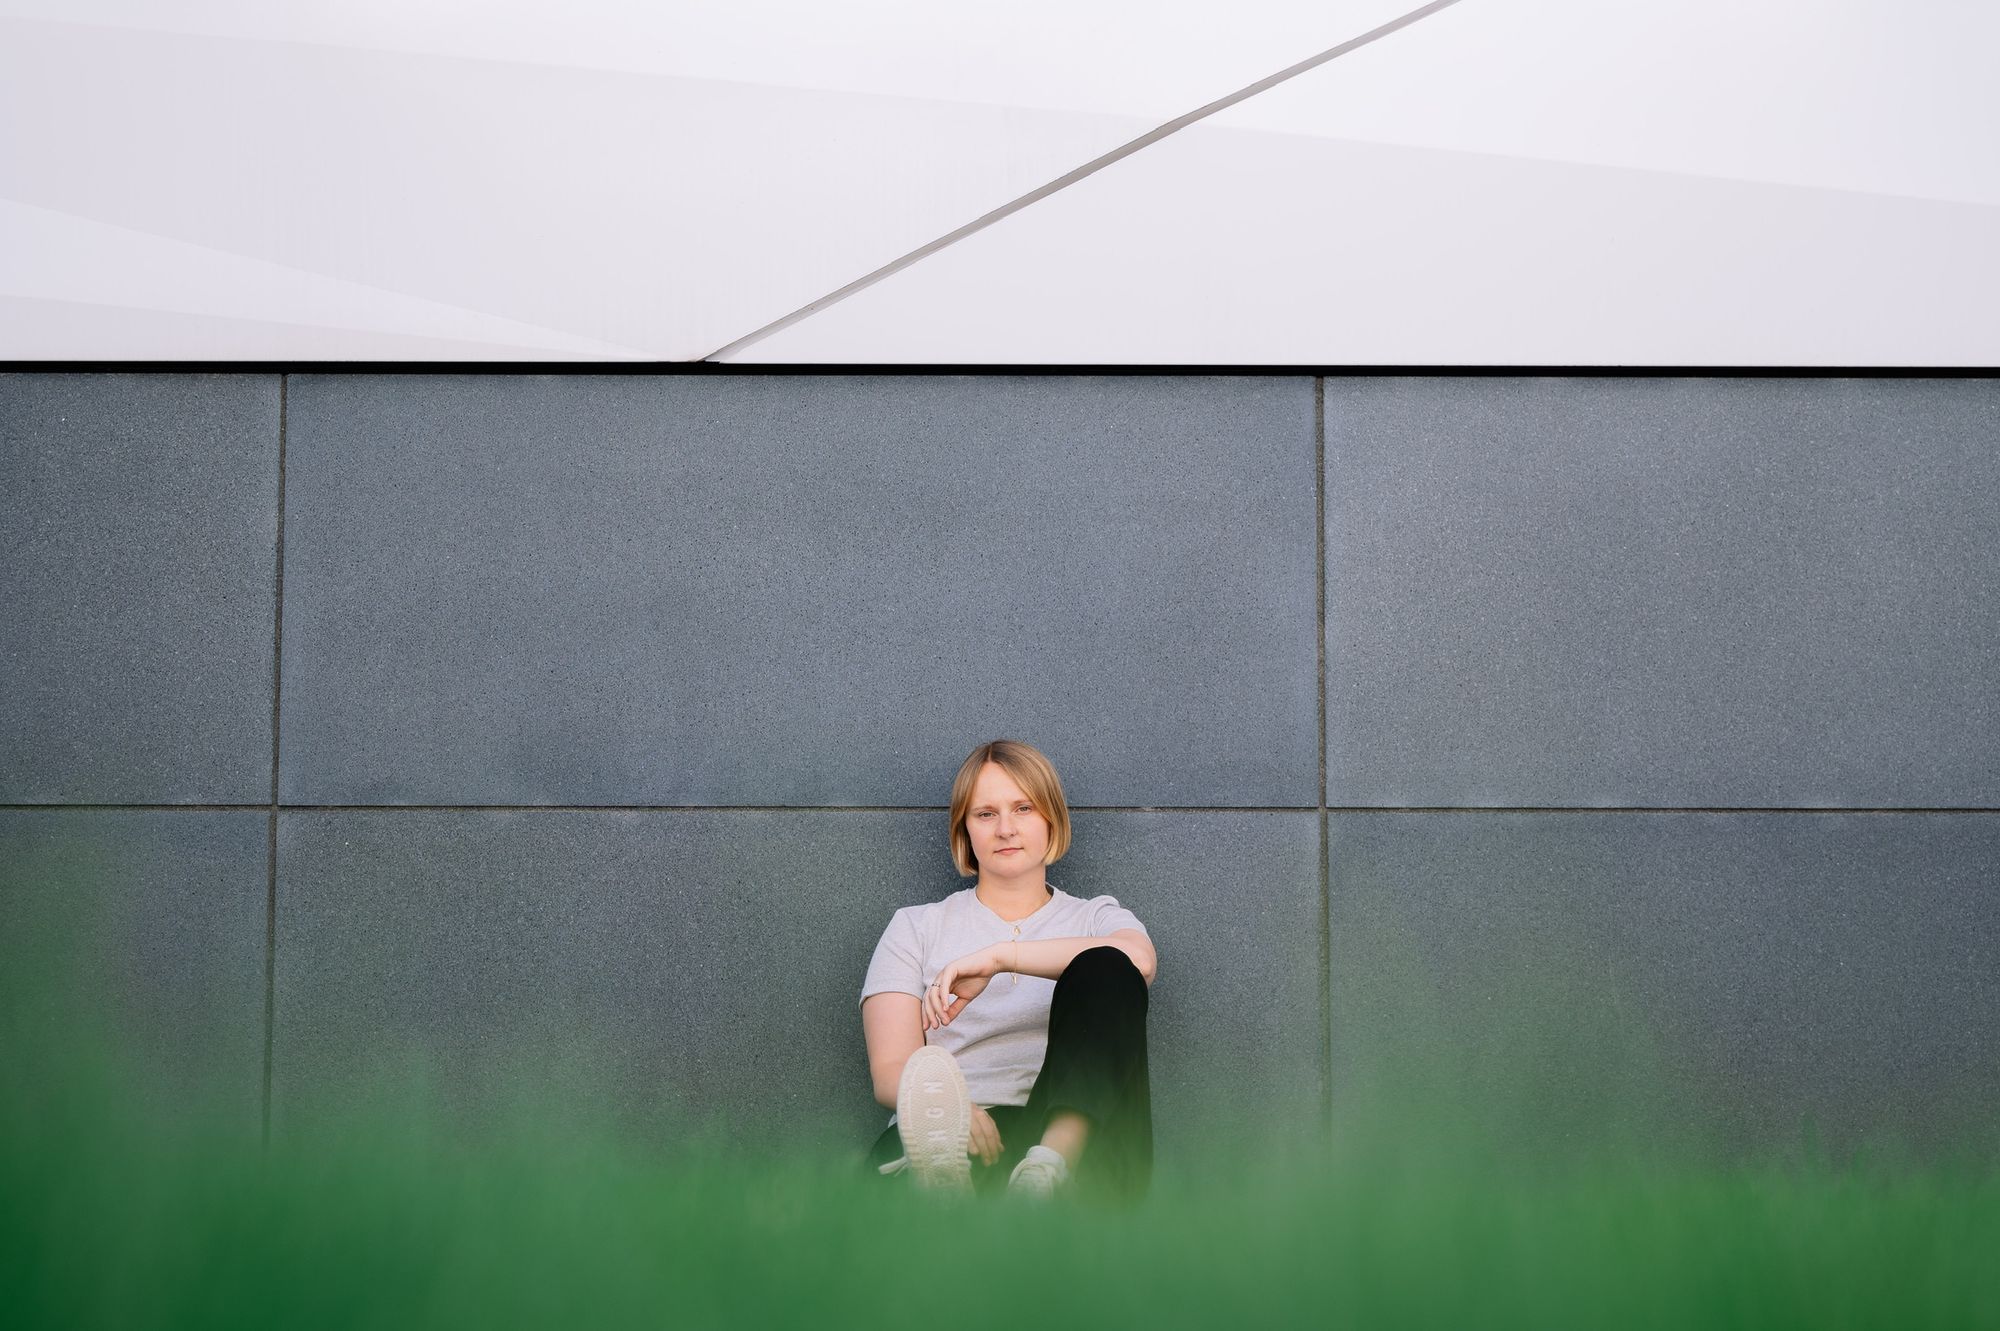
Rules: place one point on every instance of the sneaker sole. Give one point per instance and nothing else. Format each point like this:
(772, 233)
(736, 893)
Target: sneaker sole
(934, 1118)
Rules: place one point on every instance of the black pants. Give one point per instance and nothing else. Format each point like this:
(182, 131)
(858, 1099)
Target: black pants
(1095, 1065)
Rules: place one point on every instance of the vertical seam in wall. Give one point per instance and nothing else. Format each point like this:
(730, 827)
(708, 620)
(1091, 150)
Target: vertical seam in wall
(271, 825)
(1325, 880)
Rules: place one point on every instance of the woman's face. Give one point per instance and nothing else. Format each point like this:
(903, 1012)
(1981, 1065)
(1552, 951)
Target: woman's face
(1008, 835)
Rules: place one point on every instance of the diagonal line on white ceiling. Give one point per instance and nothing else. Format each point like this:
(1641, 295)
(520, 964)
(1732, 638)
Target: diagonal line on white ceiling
(1064, 181)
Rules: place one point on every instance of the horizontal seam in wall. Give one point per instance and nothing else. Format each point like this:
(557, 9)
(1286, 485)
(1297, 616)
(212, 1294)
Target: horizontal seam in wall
(935, 808)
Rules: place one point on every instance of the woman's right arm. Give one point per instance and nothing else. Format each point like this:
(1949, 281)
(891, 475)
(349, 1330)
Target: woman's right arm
(893, 1025)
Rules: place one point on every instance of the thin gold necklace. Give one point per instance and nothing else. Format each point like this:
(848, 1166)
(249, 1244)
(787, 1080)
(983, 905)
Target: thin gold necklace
(1016, 971)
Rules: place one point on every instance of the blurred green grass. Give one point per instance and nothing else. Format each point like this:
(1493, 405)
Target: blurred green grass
(114, 1222)
(119, 1210)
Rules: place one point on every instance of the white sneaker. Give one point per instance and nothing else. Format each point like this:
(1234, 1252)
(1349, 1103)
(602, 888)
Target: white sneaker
(1041, 1173)
(934, 1119)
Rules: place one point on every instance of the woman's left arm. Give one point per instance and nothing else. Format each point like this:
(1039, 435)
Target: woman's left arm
(1049, 957)
(1046, 957)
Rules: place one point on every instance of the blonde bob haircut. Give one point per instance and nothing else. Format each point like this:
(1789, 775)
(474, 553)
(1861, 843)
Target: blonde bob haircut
(1036, 777)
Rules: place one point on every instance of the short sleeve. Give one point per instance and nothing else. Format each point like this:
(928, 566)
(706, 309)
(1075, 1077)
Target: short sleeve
(898, 964)
(1108, 917)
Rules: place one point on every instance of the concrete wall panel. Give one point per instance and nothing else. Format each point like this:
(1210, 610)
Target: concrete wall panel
(140, 934)
(1745, 979)
(734, 590)
(140, 520)
(711, 962)
(1663, 592)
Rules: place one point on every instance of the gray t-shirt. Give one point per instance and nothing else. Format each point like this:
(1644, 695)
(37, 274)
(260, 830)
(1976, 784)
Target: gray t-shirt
(1000, 1037)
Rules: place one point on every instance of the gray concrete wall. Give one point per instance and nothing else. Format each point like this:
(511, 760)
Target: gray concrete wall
(1587, 747)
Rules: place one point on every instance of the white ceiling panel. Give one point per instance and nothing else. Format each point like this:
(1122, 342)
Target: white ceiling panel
(599, 180)
(269, 310)
(1154, 59)
(662, 214)
(1564, 183)
(1894, 98)
(1503, 182)
(1234, 246)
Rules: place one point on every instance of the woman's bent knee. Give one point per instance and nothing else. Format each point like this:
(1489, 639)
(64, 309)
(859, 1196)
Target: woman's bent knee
(1100, 963)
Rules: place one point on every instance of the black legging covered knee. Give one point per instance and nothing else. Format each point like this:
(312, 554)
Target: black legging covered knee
(1096, 1066)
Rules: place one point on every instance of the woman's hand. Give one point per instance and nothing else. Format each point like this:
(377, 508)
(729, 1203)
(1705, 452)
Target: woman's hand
(984, 1144)
(956, 985)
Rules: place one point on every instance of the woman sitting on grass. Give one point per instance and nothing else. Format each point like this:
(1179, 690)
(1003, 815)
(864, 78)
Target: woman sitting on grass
(1033, 1001)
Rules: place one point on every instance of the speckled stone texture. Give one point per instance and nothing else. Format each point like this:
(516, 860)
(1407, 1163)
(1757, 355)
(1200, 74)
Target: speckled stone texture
(137, 586)
(683, 965)
(1718, 980)
(1698, 593)
(1715, 596)
(142, 933)
(796, 590)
